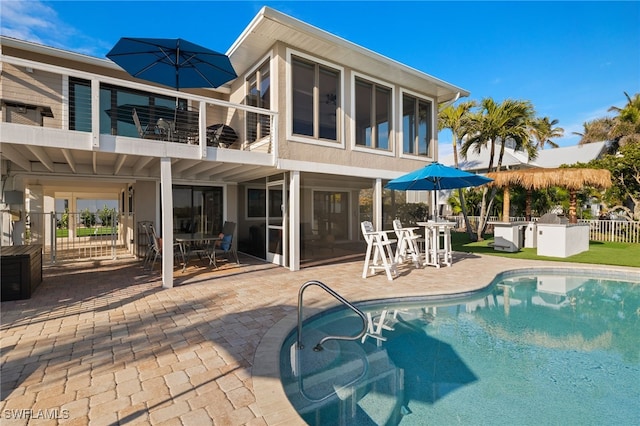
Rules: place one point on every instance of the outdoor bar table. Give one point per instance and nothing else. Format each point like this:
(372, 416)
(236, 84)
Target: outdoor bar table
(199, 243)
(435, 254)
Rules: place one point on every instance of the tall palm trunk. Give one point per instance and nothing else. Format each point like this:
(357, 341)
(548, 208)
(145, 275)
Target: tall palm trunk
(463, 204)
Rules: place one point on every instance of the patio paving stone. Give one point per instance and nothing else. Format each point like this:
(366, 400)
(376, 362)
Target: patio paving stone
(107, 344)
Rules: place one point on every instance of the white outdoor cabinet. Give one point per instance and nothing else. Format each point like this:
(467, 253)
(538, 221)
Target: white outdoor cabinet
(531, 235)
(508, 236)
(562, 240)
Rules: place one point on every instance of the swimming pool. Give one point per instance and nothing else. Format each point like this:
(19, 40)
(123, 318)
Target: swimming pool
(535, 347)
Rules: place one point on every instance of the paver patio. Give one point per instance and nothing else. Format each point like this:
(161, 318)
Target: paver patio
(107, 345)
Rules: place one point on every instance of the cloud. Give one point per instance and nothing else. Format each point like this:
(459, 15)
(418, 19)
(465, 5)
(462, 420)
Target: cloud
(37, 22)
(26, 20)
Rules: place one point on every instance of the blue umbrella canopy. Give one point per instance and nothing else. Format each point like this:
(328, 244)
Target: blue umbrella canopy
(436, 176)
(175, 63)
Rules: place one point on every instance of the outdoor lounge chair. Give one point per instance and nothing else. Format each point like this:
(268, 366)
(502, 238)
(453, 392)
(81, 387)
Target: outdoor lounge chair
(150, 251)
(225, 246)
(156, 250)
(147, 132)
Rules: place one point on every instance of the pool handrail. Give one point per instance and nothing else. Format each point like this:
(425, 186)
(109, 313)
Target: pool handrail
(342, 300)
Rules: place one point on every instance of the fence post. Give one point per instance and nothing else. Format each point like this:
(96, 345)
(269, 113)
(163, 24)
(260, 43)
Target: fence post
(114, 234)
(54, 239)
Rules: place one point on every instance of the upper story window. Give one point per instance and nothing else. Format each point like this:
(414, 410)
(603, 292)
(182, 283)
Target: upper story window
(315, 99)
(259, 95)
(373, 115)
(417, 126)
(79, 104)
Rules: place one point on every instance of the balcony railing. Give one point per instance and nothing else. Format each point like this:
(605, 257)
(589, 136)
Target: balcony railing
(56, 97)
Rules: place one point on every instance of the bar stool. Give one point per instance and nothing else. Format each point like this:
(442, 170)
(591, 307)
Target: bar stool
(407, 243)
(378, 250)
(445, 253)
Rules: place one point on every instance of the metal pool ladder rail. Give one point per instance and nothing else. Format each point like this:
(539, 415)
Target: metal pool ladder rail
(342, 300)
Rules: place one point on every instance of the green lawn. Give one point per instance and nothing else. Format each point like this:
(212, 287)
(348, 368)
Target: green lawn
(600, 253)
(87, 232)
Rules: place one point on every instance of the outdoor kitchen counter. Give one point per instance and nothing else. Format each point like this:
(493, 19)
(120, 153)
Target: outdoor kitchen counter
(562, 240)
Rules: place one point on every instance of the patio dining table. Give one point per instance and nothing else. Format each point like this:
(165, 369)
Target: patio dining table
(438, 251)
(196, 243)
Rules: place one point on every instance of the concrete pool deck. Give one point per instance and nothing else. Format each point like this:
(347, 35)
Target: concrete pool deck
(107, 345)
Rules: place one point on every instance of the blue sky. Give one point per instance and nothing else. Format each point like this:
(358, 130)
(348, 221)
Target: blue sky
(573, 60)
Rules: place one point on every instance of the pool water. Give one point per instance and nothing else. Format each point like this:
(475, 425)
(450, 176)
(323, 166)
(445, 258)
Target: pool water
(531, 349)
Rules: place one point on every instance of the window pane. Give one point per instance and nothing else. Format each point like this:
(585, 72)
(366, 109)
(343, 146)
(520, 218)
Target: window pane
(303, 77)
(423, 129)
(252, 100)
(331, 214)
(383, 116)
(275, 203)
(265, 85)
(408, 124)
(265, 100)
(363, 113)
(80, 105)
(182, 222)
(256, 203)
(328, 108)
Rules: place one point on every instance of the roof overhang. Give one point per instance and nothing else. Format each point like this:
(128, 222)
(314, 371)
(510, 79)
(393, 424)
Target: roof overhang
(270, 26)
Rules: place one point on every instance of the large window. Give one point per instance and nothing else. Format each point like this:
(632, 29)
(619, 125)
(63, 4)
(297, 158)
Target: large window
(373, 115)
(79, 104)
(259, 95)
(197, 209)
(417, 126)
(315, 96)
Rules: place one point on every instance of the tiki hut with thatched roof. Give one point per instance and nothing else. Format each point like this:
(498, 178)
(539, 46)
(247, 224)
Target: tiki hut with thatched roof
(572, 179)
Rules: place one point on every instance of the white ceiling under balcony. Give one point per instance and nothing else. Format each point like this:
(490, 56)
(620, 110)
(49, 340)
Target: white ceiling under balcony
(52, 163)
(63, 168)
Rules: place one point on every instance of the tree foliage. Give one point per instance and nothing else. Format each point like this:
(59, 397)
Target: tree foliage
(88, 218)
(625, 174)
(107, 216)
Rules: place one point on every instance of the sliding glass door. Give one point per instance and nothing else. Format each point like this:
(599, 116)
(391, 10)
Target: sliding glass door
(197, 209)
(331, 214)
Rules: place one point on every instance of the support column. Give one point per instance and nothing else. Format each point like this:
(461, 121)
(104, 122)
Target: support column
(167, 222)
(294, 221)
(506, 204)
(377, 204)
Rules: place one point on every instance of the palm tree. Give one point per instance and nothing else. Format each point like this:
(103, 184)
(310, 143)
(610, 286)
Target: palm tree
(509, 121)
(595, 130)
(543, 130)
(454, 119)
(626, 126)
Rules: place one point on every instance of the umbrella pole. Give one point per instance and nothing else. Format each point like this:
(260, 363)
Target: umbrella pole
(434, 200)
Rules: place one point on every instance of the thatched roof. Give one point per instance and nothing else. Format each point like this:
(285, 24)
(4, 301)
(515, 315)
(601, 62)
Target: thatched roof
(569, 178)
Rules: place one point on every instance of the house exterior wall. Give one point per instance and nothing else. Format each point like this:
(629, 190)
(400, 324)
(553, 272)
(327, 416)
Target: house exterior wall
(45, 89)
(327, 166)
(343, 153)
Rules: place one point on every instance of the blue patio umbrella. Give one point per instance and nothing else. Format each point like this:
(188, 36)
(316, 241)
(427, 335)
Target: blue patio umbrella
(175, 63)
(436, 176)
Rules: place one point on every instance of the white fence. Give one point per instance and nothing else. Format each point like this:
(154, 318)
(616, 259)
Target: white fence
(620, 231)
(75, 236)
